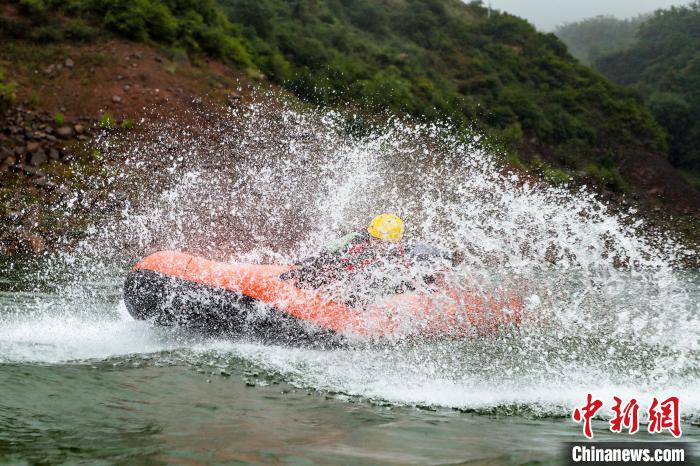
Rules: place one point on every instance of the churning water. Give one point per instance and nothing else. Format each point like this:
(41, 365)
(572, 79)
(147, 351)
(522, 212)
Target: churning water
(608, 311)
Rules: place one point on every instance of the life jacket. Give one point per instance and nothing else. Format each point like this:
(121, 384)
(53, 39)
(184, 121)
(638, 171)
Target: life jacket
(347, 256)
(359, 254)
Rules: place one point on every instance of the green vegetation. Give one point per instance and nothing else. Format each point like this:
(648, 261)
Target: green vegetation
(663, 66)
(443, 59)
(595, 37)
(200, 27)
(34, 99)
(432, 59)
(549, 173)
(59, 118)
(7, 92)
(107, 121)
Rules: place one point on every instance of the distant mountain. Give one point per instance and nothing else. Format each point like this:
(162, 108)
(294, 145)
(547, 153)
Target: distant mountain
(663, 66)
(592, 38)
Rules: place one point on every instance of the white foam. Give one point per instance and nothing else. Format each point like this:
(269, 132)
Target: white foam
(608, 312)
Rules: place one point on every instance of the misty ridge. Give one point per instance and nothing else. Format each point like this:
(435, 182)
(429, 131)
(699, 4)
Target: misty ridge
(652, 55)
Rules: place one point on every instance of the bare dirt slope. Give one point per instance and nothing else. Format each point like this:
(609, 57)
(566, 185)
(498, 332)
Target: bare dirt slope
(66, 94)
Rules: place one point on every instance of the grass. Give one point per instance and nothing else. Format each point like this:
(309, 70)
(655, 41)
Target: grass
(170, 68)
(107, 121)
(7, 92)
(28, 56)
(59, 118)
(609, 177)
(34, 99)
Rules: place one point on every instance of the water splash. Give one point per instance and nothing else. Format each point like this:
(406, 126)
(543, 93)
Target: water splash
(269, 183)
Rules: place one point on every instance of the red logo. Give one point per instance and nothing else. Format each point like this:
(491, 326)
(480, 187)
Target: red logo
(627, 417)
(585, 413)
(664, 415)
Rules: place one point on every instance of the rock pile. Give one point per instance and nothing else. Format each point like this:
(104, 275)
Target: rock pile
(30, 139)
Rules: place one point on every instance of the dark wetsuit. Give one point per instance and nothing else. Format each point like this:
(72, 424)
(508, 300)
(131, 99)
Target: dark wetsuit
(348, 256)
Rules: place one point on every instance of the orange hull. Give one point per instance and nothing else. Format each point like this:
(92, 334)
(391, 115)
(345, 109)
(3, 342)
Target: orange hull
(445, 314)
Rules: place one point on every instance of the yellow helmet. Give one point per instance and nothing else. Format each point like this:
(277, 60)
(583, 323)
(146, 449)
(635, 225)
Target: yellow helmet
(386, 227)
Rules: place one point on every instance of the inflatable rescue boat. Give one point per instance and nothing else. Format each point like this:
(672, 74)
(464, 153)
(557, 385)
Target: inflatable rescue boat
(176, 289)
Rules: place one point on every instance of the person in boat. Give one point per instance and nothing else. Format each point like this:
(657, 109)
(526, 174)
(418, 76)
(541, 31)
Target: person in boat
(434, 260)
(377, 245)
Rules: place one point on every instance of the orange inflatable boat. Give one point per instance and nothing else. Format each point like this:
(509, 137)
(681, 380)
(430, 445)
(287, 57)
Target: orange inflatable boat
(174, 288)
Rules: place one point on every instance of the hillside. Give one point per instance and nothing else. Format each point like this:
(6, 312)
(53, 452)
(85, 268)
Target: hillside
(445, 59)
(432, 59)
(663, 65)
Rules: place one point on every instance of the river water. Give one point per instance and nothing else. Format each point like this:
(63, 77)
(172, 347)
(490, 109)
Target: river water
(608, 311)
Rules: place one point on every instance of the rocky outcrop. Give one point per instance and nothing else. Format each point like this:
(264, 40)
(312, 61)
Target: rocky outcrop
(30, 142)
(33, 139)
